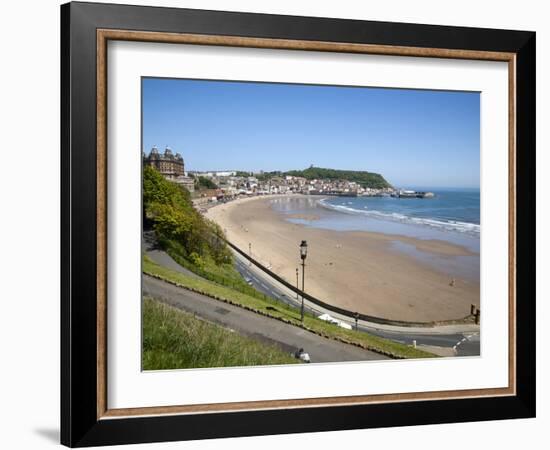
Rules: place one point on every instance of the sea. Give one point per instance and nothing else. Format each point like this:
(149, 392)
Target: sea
(452, 215)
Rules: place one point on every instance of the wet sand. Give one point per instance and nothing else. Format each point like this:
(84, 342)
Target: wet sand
(357, 270)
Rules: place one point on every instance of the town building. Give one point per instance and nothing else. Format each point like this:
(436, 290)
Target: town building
(169, 165)
(186, 182)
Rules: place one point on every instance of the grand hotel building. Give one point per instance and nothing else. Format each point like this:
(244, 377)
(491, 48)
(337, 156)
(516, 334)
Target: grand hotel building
(168, 164)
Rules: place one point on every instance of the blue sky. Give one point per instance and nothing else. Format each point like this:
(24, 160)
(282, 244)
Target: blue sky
(411, 137)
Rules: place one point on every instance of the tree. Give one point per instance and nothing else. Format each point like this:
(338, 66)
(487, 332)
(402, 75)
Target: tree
(204, 183)
(175, 219)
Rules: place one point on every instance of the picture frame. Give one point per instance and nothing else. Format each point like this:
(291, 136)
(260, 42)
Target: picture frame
(86, 418)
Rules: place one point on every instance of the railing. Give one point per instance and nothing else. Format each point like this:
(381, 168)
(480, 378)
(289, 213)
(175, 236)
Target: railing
(350, 314)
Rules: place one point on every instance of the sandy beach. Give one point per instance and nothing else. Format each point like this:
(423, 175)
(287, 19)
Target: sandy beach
(357, 270)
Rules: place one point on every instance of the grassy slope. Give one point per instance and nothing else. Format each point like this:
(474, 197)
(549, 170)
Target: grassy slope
(173, 339)
(286, 313)
(224, 274)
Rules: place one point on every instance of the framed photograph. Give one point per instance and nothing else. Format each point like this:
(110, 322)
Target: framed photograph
(278, 224)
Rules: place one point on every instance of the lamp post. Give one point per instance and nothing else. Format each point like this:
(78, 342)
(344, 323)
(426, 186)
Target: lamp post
(297, 285)
(250, 253)
(303, 255)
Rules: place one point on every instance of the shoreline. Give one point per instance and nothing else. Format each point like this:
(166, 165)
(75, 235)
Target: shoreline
(427, 244)
(361, 271)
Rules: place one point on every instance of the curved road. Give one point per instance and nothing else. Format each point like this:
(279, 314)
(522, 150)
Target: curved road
(452, 340)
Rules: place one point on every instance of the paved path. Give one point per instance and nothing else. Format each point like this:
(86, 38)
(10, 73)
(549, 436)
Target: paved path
(161, 257)
(165, 260)
(290, 338)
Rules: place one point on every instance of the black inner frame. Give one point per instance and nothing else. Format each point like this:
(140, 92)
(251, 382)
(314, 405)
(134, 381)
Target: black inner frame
(79, 424)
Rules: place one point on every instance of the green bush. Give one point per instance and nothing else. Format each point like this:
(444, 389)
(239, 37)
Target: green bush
(171, 210)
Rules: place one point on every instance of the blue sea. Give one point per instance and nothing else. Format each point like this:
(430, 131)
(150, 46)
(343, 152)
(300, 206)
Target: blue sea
(451, 210)
(452, 215)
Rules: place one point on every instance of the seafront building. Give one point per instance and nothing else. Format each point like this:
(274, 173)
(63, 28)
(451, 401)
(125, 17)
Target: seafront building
(231, 184)
(170, 165)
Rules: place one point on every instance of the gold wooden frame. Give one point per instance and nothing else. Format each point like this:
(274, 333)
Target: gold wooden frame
(104, 35)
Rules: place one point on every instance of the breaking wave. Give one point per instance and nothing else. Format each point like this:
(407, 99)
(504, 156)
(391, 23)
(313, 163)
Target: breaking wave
(445, 225)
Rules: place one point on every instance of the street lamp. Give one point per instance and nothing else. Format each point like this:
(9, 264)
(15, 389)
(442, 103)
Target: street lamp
(303, 255)
(297, 285)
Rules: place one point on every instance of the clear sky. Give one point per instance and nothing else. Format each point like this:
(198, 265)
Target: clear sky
(411, 137)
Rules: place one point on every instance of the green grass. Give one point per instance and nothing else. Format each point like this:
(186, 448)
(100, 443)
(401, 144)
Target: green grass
(272, 308)
(224, 274)
(173, 339)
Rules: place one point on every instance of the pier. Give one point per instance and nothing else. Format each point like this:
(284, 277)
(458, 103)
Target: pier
(412, 194)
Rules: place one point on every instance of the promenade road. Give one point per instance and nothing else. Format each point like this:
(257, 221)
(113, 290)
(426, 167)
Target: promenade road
(451, 340)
